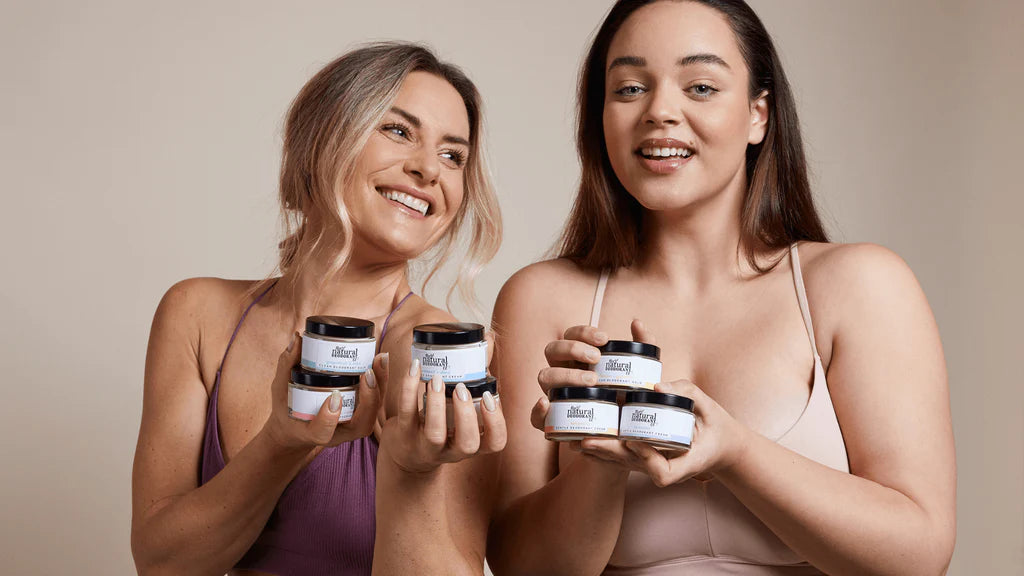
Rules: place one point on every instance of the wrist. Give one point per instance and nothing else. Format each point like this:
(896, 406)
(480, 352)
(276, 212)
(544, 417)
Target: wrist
(737, 451)
(280, 446)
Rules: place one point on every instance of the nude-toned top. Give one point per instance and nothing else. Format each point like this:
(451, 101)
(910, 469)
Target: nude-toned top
(697, 527)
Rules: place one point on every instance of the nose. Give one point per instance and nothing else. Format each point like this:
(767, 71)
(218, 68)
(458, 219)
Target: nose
(424, 165)
(664, 107)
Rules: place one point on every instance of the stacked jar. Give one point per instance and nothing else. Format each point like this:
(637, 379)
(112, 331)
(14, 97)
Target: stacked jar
(624, 404)
(336, 350)
(457, 353)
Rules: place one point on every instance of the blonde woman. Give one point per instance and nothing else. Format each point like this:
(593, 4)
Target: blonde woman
(382, 161)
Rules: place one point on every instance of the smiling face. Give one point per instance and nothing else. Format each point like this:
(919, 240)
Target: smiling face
(408, 182)
(678, 115)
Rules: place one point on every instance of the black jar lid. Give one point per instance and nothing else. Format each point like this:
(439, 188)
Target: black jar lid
(583, 393)
(476, 387)
(304, 377)
(448, 333)
(630, 347)
(648, 397)
(339, 327)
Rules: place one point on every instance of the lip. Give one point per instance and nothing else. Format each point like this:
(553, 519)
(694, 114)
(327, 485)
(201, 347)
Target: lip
(414, 192)
(666, 165)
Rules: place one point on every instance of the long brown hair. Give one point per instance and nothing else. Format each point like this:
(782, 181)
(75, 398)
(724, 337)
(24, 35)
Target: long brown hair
(327, 127)
(604, 227)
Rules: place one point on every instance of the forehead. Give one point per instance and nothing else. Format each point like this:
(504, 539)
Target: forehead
(435, 102)
(669, 30)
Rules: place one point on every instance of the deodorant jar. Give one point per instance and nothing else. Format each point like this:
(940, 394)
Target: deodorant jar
(456, 351)
(308, 390)
(581, 412)
(338, 345)
(628, 365)
(663, 420)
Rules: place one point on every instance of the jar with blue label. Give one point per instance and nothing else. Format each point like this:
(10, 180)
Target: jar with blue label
(662, 420)
(456, 351)
(338, 345)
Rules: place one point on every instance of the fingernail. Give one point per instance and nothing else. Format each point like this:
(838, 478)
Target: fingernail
(335, 403)
(462, 392)
(601, 335)
(593, 356)
(414, 368)
(489, 402)
(436, 383)
(384, 360)
(371, 380)
(590, 378)
(291, 344)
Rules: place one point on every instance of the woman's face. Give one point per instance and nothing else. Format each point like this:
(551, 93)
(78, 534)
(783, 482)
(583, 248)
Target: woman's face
(677, 112)
(408, 181)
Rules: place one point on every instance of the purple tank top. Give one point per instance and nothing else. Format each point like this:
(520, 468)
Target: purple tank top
(323, 524)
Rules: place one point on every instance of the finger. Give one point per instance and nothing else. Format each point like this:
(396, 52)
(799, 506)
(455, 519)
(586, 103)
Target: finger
(495, 432)
(466, 439)
(641, 333)
(365, 415)
(321, 428)
(608, 449)
(435, 422)
(408, 404)
(285, 362)
(589, 334)
(540, 413)
(381, 374)
(489, 338)
(653, 463)
(568, 352)
(554, 377)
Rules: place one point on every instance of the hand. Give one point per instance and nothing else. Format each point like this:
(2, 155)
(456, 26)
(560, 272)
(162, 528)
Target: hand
(324, 430)
(422, 444)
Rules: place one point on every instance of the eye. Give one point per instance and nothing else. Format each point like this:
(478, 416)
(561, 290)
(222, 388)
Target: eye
(456, 158)
(702, 90)
(399, 130)
(630, 91)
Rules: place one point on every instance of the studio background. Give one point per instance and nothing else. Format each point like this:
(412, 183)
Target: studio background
(140, 145)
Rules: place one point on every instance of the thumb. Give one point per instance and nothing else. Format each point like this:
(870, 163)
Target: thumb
(321, 428)
(641, 333)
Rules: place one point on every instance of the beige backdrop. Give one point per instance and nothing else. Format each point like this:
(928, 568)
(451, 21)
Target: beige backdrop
(140, 144)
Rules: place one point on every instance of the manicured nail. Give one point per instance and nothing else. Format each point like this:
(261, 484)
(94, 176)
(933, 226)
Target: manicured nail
(462, 392)
(593, 356)
(384, 360)
(371, 380)
(414, 368)
(489, 402)
(291, 344)
(601, 335)
(436, 383)
(590, 378)
(335, 403)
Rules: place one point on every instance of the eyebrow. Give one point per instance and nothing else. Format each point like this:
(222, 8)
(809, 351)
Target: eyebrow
(416, 123)
(685, 61)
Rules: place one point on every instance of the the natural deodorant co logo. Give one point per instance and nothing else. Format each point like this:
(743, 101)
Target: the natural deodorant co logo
(578, 413)
(649, 418)
(615, 365)
(345, 353)
(435, 361)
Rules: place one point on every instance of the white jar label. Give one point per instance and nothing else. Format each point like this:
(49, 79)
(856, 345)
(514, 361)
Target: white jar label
(657, 424)
(453, 364)
(627, 371)
(582, 417)
(334, 356)
(305, 404)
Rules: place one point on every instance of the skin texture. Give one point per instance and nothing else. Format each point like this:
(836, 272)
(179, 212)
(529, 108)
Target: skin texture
(180, 527)
(731, 339)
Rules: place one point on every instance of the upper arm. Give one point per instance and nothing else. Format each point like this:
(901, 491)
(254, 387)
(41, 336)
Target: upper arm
(887, 377)
(167, 455)
(528, 314)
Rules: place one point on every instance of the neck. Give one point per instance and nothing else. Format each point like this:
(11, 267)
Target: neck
(699, 247)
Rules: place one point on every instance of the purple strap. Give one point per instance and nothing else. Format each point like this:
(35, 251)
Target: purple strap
(384, 329)
(239, 326)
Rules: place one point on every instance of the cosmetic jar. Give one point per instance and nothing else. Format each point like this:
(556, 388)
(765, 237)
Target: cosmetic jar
(581, 412)
(338, 345)
(663, 420)
(629, 365)
(476, 392)
(455, 350)
(308, 390)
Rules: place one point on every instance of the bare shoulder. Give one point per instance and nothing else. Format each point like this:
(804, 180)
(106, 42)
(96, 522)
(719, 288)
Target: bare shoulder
(557, 288)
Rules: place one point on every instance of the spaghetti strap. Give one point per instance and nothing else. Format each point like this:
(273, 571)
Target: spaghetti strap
(384, 328)
(602, 283)
(239, 325)
(801, 296)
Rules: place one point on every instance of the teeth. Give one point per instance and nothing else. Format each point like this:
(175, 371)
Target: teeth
(666, 152)
(407, 200)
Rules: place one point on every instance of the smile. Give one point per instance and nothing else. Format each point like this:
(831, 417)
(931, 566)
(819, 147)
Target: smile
(666, 152)
(408, 200)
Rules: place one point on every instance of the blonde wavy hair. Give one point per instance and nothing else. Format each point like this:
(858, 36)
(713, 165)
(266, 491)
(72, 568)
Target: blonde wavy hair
(329, 124)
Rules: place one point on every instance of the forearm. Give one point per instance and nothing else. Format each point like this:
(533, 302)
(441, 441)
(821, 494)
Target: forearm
(839, 522)
(569, 526)
(415, 532)
(208, 529)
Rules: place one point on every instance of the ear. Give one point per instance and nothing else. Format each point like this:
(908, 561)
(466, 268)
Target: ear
(758, 118)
